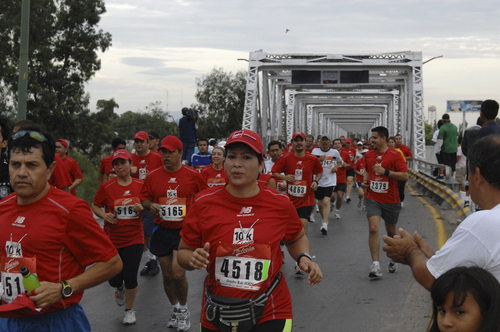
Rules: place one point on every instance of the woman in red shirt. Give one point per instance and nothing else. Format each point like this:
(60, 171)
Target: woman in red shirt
(214, 174)
(123, 225)
(234, 231)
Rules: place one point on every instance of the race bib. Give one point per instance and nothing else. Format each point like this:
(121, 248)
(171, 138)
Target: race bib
(12, 279)
(298, 174)
(244, 267)
(172, 208)
(379, 186)
(328, 162)
(215, 182)
(199, 167)
(142, 173)
(124, 208)
(297, 188)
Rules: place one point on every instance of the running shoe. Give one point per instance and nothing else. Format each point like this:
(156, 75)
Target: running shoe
(440, 177)
(332, 206)
(183, 322)
(392, 267)
(317, 209)
(129, 318)
(146, 270)
(298, 270)
(348, 199)
(172, 322)
(359, 202)
(120, 295)
(466, 204)
(324, 228)
(311, 219)
(375, 271)
(155, 269)
(336, 215)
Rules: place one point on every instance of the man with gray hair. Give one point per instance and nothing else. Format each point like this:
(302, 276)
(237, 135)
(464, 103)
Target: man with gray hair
(475, 241)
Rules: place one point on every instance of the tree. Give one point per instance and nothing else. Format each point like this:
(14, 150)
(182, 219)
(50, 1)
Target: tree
(63, 45)
(221, 100)
(429, 132)
(154, 119)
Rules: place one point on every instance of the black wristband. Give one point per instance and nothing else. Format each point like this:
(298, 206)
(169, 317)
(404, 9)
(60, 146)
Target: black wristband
(302, 255)
(315, 181)
(387, 172)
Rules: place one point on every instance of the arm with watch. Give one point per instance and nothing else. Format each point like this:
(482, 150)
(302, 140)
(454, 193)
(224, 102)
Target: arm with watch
(298, 248)
(50, 292)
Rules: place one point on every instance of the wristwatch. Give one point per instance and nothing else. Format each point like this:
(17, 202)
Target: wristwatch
(302, 255)
(67, 290)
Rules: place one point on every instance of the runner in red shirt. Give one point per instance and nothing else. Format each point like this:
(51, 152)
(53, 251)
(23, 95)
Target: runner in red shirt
(299, 168)
(123, 225)
(351, 151)
(384, 167)
(359, 168)
(53, 234)
(215, 174)
(71, 165)
(340, 188)
(309, 143)
(106, 170)
(143, 162)
(168, 194)
(408, 156)
(241, 251)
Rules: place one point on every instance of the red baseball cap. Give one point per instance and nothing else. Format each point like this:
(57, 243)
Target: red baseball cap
(297, 134)
(142, 135)
(63, 142)
(171, 143)
(248, 137)
(121, 154)
(348, 140)
(342, 136)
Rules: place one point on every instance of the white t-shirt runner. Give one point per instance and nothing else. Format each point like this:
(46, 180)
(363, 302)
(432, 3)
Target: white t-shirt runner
(328, 179)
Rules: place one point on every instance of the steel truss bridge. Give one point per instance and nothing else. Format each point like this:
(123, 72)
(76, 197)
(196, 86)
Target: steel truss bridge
(336, 94)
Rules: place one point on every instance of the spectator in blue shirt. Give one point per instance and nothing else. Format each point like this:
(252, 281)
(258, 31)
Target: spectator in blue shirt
(188, 125)
(202, 158)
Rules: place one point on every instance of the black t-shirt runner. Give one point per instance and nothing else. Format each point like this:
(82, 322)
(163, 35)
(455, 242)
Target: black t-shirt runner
(5, 188)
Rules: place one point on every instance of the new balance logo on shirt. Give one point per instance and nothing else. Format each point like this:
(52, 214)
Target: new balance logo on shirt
(246, 210)
(172, 180)
(127, 193)
(19, 222)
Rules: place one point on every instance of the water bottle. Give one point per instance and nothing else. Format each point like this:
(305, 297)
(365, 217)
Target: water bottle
(30, 281)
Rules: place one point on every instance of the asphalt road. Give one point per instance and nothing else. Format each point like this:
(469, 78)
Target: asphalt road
(346, 300)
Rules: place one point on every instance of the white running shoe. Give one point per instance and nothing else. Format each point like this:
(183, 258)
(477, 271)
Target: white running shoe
(120, 295)
(324, 228)
(359, 202)
(183, 322)
(336, 215)
(392, 267)
(298, 270)
(311, 219)
(172, 322)
(375, 272)
(129, 318)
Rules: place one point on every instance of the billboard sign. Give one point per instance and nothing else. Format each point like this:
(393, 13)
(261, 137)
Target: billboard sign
(463, 106)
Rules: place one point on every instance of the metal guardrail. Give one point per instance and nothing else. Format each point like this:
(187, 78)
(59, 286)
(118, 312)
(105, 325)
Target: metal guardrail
(441, 191)
(428, 168)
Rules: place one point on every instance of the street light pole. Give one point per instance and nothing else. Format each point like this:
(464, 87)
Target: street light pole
(439, 56)
(22, 91)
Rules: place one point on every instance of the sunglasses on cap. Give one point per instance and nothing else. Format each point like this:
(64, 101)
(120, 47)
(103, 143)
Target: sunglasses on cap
(34, 134)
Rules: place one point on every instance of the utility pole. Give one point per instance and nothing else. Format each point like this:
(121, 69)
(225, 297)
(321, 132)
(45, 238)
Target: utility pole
(22, 91)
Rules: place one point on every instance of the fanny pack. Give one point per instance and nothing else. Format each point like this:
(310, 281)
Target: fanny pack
(230, 314)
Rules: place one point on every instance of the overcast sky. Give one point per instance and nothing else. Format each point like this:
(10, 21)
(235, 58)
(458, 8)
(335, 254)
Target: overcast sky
(161, 47)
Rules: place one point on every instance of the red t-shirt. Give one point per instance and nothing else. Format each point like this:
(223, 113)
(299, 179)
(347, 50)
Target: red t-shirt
(59, 232)
(119, 200)
(303, 169)
(341, 171)
(352, 155)
(146, 164)
(174, 192)
(406, 150)
(360, 166)
(60, 177)
(384, 189)
(107, 165)
(74, 171)
(213, 177)
(223, 220)
(266, 177)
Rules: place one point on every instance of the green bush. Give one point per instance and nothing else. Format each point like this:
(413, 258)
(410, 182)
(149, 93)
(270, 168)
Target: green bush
(88, 188)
